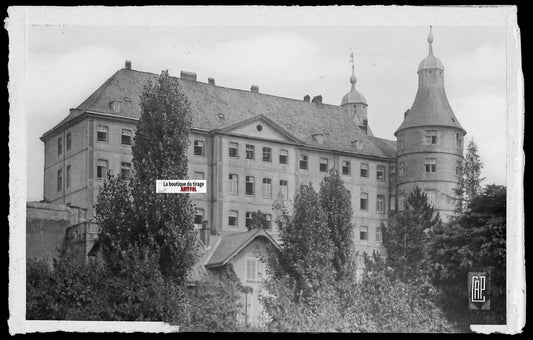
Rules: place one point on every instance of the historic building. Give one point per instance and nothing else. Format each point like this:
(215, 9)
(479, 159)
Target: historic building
(250, 146)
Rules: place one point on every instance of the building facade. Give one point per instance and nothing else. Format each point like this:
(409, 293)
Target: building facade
(250, 147)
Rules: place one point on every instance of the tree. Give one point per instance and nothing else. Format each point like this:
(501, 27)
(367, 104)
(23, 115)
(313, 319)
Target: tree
(336, 204)
(469, 179)
(406, 236)
(258, 221)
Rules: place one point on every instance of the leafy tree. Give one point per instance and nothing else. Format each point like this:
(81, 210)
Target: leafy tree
(259, 221)
(336, 204)
(474, 241)
(406, 236)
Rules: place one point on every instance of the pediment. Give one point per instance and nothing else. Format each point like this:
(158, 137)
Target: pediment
(261, 127)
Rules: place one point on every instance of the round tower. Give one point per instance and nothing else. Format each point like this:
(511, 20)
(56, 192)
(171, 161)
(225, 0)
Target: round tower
(354, 103)
(430, 141)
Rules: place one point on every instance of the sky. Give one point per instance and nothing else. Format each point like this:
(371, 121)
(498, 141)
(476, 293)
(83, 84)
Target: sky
(66, 63)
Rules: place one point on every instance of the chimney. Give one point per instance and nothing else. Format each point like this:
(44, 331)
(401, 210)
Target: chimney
(307, 98)
(364, 127)
(205, 233)
(317, 100)
(188, 75)
(211, 81)
(254, 89)
(405, 113)
(128, 65)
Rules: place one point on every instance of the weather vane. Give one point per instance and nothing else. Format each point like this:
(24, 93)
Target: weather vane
(352, 60)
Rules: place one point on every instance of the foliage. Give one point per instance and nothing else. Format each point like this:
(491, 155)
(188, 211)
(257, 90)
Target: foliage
(474, 241)
(335, 202)
(469, 180)
(259, 221)
(407, 234)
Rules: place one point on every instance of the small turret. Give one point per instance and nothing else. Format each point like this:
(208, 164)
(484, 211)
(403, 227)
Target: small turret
(354, 103)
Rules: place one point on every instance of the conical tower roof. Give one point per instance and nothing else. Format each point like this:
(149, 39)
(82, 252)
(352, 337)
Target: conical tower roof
(431, 106)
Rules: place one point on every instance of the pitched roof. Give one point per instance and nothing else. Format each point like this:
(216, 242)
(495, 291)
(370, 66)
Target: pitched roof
(230, 245)
(216, 107)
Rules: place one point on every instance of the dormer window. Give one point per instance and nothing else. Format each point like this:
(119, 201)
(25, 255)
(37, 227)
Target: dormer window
(115, 105)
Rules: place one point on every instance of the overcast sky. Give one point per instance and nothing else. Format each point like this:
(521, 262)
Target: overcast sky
(66, 63)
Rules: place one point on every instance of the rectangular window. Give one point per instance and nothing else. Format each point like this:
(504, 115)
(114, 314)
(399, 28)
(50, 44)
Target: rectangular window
(199, 175)
(363, 205)
(430, 164)
(267, 188)
(125, 170)
(431, 197)
(284, 188)
(431, 137)
(379, 235)
(248, 218)
(303, 162)
(401, 202)
(250, 185)
(363, 233)
(380, 173)
(198, 148)
(59, 180)
(101, 169)
(125, 137)
(69, 141)
(401, 141)
(59, 146)
(380, 204)
(459, 140)
(392, 203)
(199, 216)
(392, 171)
(364, 170)
(68, 176)
(458, 168)
(251, 269)
(101, 133)
(233, 218)
(233, 184)
(250, 151)
(400, 169)
(267, 154)
(346, 168)
(283, 156)
(233, 150)
(323, 165)
(269, 221)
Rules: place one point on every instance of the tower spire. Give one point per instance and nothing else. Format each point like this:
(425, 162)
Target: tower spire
(430, 41)
(353, 79)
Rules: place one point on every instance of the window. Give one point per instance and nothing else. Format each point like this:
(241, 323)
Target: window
(198, 216)
(68, 176)
(363, 233)
(401, 201)
(431, 137)
(379, 235)
(363, 205)
(430, 164)
(115, 106)
(323, 165)
(248, 218)
(303, 162)
(459, 140)
(392, 171)
(251, 269)
(232, 218)
(199, 175)
(380, 173)
(345, 168)
(101, 169)
(233, 184)
(250, 183)
(198, 148)
(431, 197)
(267, 187)
(458, 168)
(283, 156)
(392, 203)
(59, 146)
(284, 188)
(364, 170)
(59, 180)
(380, 204)
(269, 221)
(125, 138)
(233, 150)
(267, 154)
(250, 151)
(69, 140)
(125, 170)
(400, 169)
(101, 133)
(401, 141)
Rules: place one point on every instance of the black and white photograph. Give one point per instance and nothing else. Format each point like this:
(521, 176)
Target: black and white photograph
(266, 169)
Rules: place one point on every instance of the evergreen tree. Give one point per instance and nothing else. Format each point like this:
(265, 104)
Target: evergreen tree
(469, 180)
(336, 204)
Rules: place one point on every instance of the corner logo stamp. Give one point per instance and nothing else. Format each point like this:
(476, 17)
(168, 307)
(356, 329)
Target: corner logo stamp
(479, 290)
